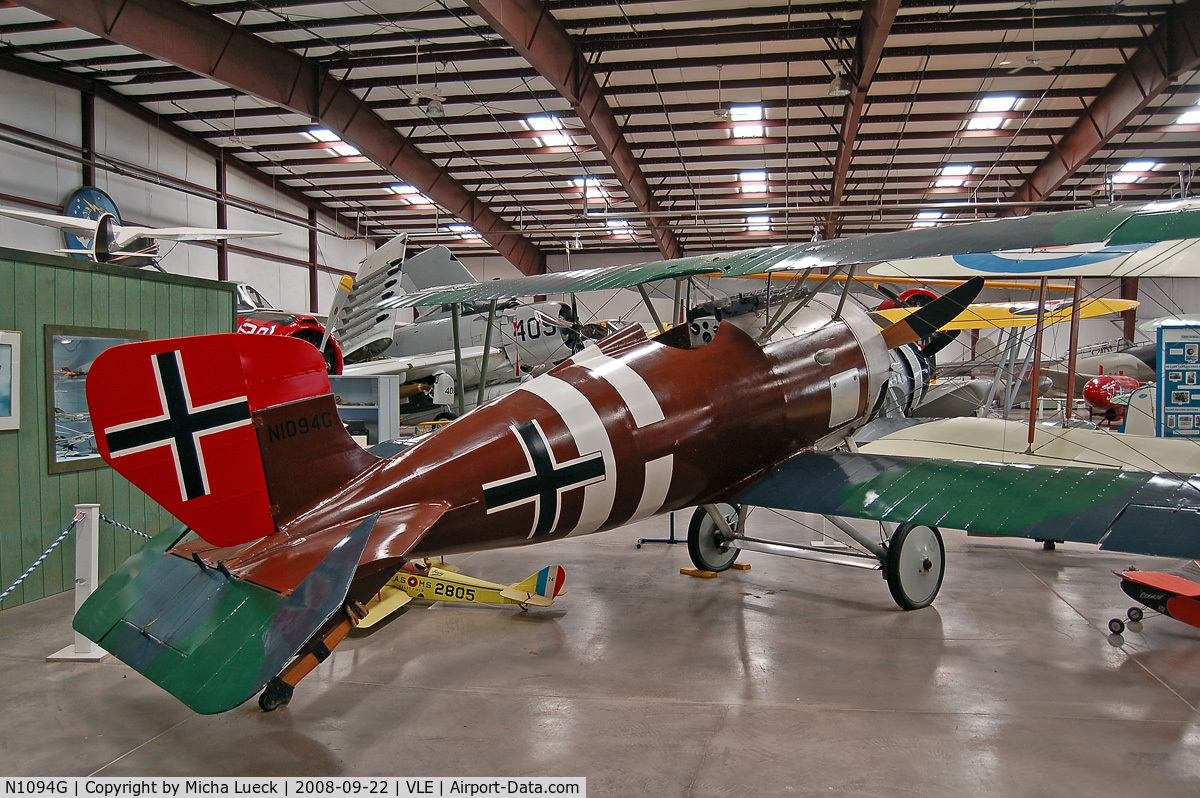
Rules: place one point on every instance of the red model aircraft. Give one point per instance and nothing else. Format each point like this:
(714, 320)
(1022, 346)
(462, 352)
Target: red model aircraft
(239, 438)
(1166, 594)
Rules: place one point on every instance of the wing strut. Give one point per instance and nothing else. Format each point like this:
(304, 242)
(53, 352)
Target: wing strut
(780, 318)
(1037, 362)
(650, 306)
(1073, 353)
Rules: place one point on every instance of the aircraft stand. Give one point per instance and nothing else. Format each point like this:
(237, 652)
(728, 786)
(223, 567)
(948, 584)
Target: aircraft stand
(669, 540)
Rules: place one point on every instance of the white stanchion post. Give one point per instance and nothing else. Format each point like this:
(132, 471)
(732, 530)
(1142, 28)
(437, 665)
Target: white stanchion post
(87, 576)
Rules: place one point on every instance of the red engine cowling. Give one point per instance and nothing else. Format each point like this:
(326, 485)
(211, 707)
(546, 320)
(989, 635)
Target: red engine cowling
(1100, 391)
(306, 328)
(913, 297)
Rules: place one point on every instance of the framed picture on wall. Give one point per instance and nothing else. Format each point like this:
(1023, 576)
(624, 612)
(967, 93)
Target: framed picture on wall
(70, 352)
(10, 380)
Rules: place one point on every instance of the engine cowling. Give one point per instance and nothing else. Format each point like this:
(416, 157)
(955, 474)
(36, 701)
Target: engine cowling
(1100, 391)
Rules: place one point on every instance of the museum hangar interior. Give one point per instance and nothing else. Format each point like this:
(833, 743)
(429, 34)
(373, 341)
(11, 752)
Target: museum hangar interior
(171, 170)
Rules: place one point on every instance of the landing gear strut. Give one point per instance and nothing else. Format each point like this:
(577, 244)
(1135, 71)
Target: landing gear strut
(913, 561)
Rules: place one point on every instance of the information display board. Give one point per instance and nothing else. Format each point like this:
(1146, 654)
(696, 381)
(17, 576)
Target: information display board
(1179, 382)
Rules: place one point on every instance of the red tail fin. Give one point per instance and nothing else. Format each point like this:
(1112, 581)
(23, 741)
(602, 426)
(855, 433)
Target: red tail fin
(178, 418)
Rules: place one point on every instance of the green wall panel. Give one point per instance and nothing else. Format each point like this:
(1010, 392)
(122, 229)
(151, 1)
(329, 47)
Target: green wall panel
(35, 505)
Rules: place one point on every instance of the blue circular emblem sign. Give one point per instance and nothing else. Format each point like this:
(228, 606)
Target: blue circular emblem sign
(87, 202)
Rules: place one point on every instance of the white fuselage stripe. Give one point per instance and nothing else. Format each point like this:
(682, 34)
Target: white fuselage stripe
(641, 401)
(658, 482)
(586, 427)
(644, 409)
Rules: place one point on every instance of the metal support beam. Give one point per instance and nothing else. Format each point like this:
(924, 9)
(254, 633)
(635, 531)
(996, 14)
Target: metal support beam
(531, 30)
(873, 30)
(313, 285)
(189, 38)
(1129, 290)
(1172, 49)
(223, 219)
(87, 125)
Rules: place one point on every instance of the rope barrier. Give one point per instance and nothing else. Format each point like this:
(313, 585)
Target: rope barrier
(118, 524)
(74, 522)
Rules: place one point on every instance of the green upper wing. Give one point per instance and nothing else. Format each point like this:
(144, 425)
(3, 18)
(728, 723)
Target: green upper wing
(1114, 224)
(1128, 511)
(563, 282)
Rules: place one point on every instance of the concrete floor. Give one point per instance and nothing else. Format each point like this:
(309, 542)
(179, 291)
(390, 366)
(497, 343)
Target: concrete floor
(790, 679)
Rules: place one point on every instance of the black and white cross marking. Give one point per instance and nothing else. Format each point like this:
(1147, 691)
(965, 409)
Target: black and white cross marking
(545, 481)
(180, 426)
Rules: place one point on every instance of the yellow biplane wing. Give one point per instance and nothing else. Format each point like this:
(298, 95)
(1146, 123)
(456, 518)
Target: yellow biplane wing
(989, 315)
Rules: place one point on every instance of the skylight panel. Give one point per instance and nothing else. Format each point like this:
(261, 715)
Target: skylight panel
(464, 230)
(985, 122)
(591, 187)
(758, 224)
(748, 131)
(746, 113)
(551, 126)
(996, 104)
(754, 182)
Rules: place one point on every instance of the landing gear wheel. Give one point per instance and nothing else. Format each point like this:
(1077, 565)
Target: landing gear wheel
(916, 563)
(275, 695)
(706, 545)
(1116, 626)
(1135, 614)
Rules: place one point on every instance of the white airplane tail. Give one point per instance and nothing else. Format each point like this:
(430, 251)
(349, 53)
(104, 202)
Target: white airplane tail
(363, 328)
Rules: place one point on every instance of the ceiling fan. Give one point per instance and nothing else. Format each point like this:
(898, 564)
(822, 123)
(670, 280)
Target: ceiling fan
(721, 113)
(1033, 59)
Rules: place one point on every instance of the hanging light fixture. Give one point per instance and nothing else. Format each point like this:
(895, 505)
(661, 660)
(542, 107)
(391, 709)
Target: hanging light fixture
(434, 109)
(839, 86)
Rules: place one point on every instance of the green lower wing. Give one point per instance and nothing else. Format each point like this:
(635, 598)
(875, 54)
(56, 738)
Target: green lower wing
(211, 640)
(1126, 511)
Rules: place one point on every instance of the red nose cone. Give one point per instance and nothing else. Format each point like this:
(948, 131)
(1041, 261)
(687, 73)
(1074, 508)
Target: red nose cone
(1100, 391)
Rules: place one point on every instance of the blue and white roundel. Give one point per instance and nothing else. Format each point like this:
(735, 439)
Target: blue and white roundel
(1043, 260)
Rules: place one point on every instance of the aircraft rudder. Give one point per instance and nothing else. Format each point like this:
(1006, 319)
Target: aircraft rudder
(181, 419)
